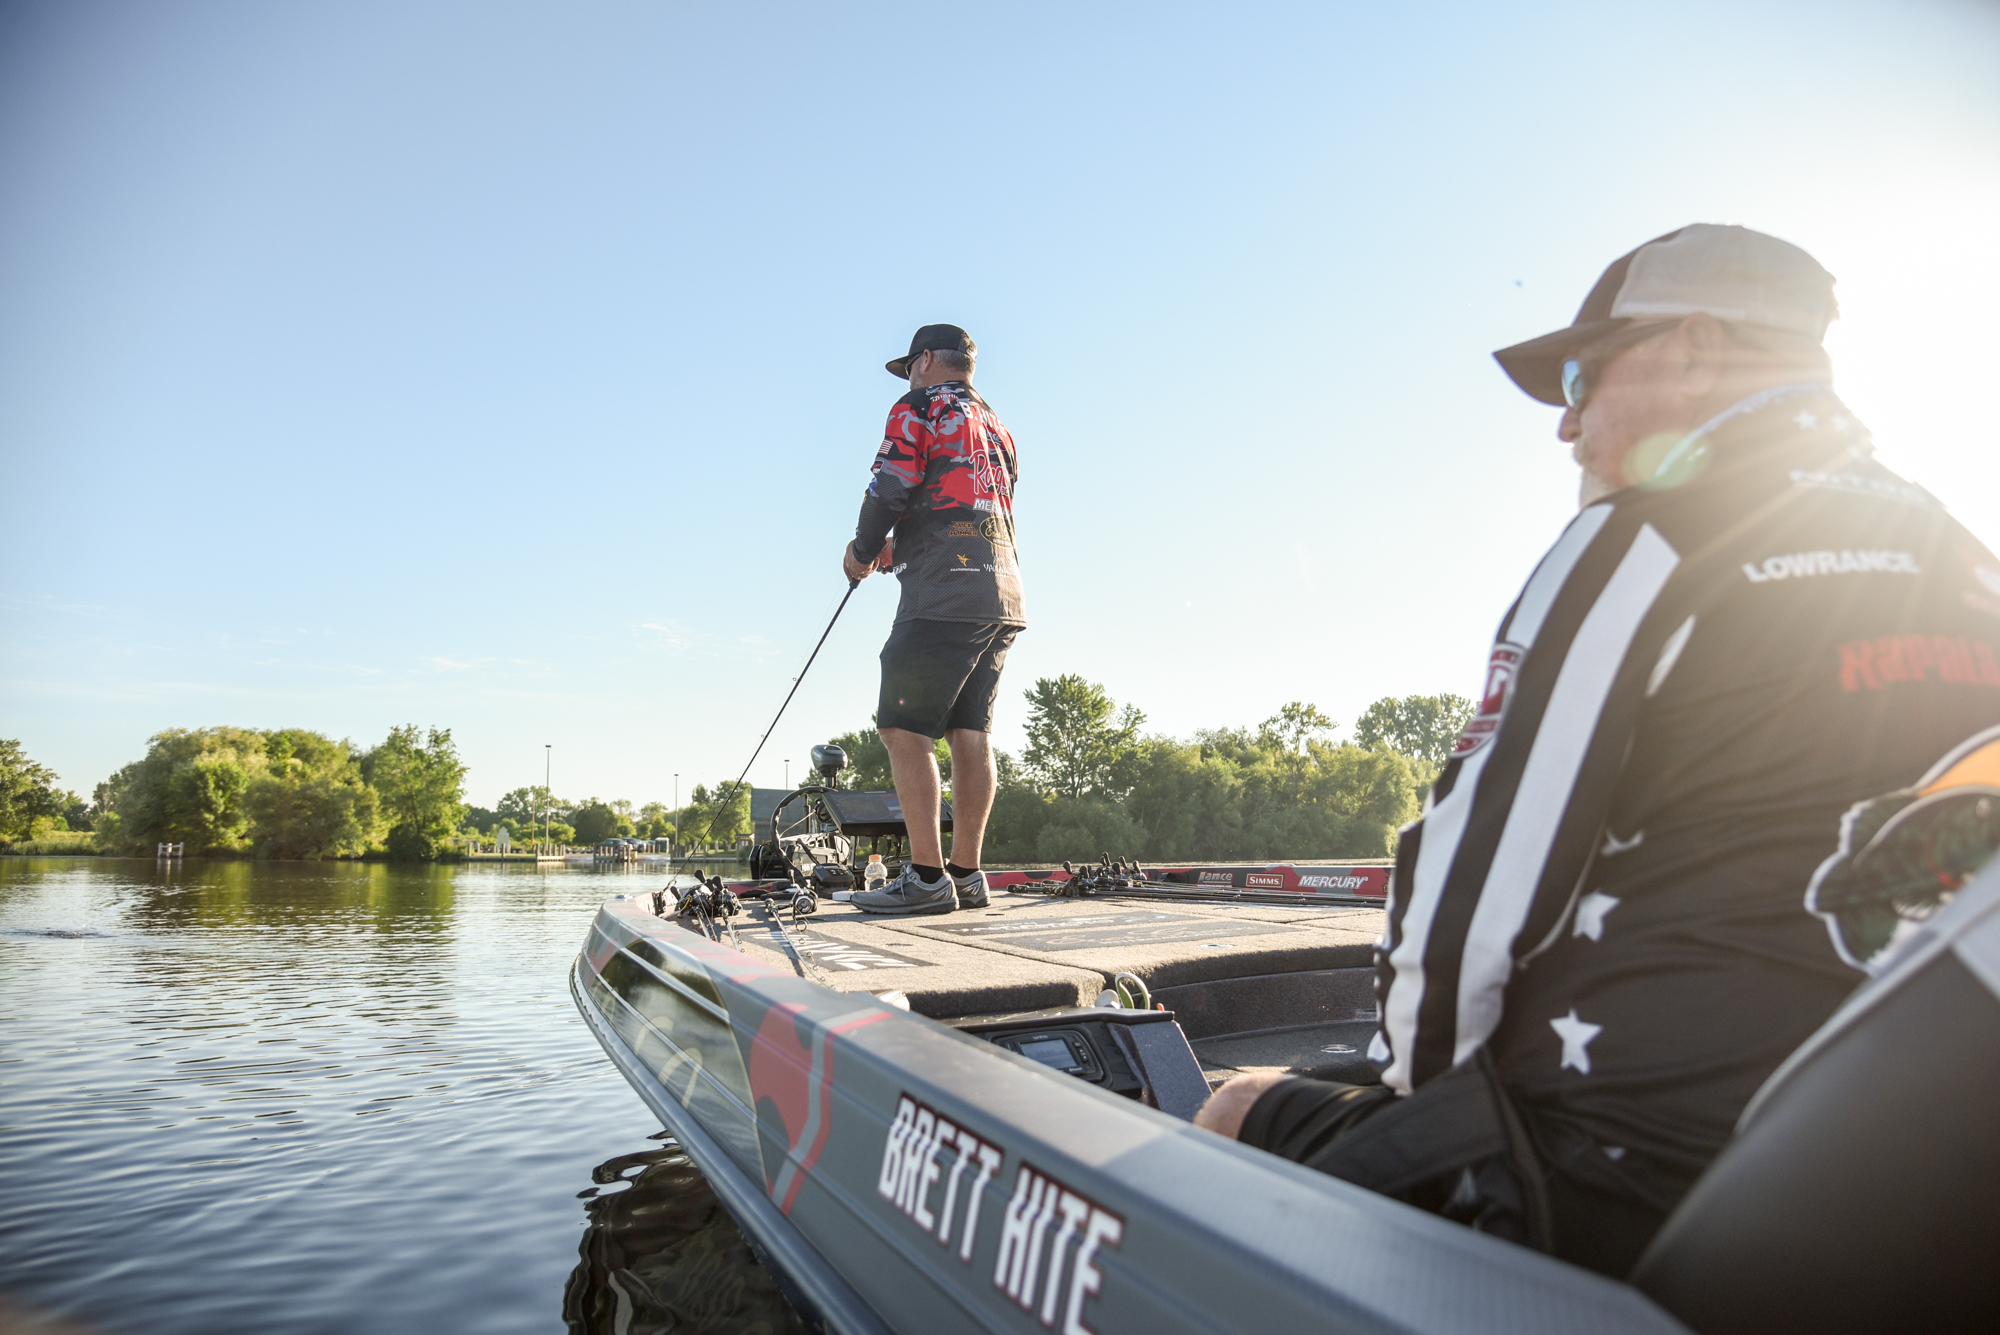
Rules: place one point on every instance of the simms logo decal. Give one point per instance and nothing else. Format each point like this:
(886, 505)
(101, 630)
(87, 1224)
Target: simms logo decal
(910, 1172)
(1049, 1234)
(1038, 1201)
(1264, 880)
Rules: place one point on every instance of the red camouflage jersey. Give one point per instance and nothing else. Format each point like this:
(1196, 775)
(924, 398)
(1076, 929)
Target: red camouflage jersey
(944, 479)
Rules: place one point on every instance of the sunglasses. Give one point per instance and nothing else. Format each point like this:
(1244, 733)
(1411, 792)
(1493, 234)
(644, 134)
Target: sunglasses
(1580, 372)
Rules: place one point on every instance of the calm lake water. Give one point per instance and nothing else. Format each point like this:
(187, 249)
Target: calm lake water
(333, 1097)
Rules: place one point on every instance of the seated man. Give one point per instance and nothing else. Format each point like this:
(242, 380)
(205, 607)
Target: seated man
(1598, 944)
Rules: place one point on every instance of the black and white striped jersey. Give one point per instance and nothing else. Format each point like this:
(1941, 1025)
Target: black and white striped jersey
(1699, 678)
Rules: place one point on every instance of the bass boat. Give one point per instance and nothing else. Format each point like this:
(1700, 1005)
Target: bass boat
(979, 1120)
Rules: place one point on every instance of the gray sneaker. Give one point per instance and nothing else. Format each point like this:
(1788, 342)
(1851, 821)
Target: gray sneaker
(907, 894)
(971, 889)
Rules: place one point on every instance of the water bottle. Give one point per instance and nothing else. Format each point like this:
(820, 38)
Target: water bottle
(875, 876)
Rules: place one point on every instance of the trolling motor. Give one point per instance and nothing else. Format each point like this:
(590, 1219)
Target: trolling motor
(829, 759)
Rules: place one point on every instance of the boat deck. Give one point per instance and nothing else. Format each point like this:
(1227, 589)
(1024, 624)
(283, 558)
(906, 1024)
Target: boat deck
(1253, 986)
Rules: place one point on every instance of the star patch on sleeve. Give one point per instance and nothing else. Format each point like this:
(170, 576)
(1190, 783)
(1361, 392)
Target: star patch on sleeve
(1590, 911)
(1576, 1035)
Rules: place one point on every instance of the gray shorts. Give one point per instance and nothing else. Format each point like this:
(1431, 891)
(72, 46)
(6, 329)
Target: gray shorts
(940, 675)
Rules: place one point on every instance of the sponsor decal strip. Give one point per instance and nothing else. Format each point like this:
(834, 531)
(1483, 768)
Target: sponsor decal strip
(1050, 1235)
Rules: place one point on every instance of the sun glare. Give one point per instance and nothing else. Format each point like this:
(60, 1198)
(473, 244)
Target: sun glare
(1917, 342)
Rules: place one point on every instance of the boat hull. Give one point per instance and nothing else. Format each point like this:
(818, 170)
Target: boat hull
(908, 1177)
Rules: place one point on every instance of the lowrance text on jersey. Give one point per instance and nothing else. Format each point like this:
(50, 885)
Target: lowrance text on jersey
(1805, 565)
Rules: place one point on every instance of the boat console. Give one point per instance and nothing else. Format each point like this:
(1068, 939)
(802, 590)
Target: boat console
(1141, 1054)
(819, 845)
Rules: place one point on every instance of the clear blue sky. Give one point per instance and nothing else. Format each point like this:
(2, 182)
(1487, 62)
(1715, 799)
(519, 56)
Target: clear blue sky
(516, 368)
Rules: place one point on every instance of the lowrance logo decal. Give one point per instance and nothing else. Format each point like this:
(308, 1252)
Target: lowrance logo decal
(937, 1174)
(912, 1168)
(1217, 878)
(1041, 1211)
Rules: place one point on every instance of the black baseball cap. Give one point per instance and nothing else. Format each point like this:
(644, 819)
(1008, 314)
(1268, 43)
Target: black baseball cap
(1730, 272)
(932, 338)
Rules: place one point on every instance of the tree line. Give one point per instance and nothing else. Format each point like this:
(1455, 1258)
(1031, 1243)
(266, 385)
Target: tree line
(525, 813)
(282, 793)
(295, 793)
(1090, 780)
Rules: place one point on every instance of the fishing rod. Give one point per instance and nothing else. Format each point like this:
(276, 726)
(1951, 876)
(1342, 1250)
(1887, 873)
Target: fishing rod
(737, 786)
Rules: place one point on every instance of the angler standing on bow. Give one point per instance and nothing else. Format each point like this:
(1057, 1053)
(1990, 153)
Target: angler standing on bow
(944, 481)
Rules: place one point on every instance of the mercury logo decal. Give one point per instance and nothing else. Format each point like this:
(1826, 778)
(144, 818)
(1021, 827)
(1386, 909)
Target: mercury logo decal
(911, 1170)
(1332, 882)
(1037, 1202)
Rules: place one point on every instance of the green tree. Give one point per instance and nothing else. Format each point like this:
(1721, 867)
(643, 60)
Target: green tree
(421, 783)
(708, 820)
(597, 821)
(27, 792)
(309, 801)
(1422, 727)
(1188, 798)
(1074, 746)
(523, 807)
(189, 788)
(1292, 733)
(521, 832)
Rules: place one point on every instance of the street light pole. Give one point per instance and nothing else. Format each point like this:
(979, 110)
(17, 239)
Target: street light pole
(677, 810)
(548, 769)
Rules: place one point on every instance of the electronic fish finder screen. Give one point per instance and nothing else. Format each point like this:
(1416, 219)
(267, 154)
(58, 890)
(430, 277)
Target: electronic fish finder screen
(1049, 1052)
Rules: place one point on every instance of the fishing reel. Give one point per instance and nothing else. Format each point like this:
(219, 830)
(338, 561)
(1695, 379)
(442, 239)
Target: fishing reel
(707, 896)
(1106, 877)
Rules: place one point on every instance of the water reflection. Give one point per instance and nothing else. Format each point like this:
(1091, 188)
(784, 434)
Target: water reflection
(302, 1099)
(661, 1254)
